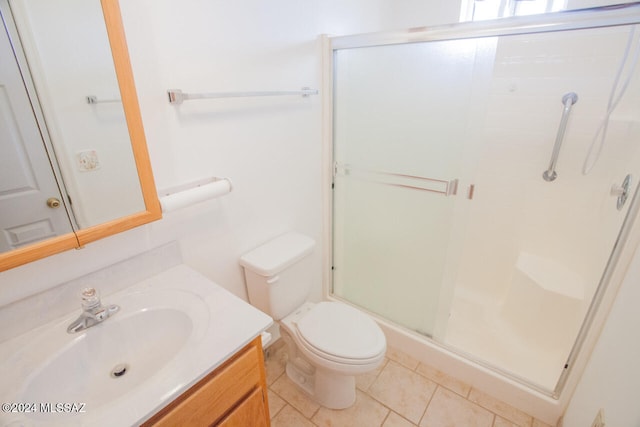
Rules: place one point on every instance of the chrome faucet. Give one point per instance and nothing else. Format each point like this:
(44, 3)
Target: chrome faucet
(93, 312)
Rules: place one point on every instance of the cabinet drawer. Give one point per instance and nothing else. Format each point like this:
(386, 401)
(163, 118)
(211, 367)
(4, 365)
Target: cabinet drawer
(220, 391)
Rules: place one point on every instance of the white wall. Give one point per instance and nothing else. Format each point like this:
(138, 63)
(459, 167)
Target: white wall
(270, 148)
(611, 378)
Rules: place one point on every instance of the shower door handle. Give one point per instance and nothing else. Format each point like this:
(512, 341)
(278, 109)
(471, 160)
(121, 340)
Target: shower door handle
(400, 180)
(567, 100)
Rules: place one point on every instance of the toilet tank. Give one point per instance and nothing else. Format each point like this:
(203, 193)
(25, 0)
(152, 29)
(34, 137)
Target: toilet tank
(278, 274)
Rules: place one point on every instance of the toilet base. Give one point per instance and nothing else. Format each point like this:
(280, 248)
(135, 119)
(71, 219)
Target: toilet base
(330, 389)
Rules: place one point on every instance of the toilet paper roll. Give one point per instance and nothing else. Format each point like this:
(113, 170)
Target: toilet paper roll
(195, 195)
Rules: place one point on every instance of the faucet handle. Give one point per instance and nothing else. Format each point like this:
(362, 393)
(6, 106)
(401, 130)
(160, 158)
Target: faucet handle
(89, 292)
(90, 298)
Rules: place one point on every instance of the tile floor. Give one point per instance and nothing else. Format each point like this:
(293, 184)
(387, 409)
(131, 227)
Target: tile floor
(402, 392)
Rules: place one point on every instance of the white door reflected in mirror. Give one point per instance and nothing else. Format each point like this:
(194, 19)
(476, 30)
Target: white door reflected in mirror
(27, 181)
(71, 127)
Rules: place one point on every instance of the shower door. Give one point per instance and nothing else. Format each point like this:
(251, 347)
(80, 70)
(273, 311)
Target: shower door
(442, 220)
(400, 152)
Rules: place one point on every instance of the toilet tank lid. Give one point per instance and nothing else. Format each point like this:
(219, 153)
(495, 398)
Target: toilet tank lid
(277, 254)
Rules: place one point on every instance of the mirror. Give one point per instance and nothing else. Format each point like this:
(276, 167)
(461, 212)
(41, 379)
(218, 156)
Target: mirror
(73, 160)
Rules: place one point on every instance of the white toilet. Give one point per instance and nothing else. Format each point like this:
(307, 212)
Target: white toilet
(328, 342)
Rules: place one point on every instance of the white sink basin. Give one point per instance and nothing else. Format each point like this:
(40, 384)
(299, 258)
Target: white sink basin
(112, 358)
(171, 331)
(151, 329)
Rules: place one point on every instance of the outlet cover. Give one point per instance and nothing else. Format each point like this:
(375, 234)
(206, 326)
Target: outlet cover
(599, 420)
(88, 161)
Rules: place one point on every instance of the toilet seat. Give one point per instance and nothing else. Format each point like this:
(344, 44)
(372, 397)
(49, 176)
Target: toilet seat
(339, 333)
(335, 359)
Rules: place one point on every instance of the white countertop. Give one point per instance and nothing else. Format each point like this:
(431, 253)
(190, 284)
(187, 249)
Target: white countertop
(230, 323)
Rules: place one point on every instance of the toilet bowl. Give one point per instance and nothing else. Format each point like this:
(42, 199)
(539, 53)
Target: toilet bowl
(324, 359)
(328, 343)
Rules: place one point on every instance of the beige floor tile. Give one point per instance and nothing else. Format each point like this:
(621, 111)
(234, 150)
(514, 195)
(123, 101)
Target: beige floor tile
(402, 358)
(289, 417)
(286, 389)
(276, 403)
(403, 384)
(512, 414)
(276, 361)
(501, 422)
(448, 409)
(444, 380)
(395, 420)
(366, 411)
(505, 423)
(403, 391)
(364, 381)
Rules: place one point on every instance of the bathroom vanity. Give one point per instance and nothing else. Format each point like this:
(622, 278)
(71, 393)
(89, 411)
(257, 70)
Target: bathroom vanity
(235, 394)
(181, 350)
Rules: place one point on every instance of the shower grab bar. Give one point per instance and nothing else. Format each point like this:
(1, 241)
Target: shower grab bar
(177, 96)
(567, 100)
(450, 188)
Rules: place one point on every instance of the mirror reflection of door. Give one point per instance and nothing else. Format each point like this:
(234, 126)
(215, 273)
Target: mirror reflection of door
(66, 49)
(31, 205)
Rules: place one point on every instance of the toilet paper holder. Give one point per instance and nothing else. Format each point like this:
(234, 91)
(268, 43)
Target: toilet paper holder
(194, 192)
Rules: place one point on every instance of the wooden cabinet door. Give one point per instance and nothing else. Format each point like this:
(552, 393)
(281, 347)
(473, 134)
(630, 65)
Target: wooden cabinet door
(250, 412)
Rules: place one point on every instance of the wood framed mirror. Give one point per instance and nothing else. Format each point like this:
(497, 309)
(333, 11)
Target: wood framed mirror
(86, 220)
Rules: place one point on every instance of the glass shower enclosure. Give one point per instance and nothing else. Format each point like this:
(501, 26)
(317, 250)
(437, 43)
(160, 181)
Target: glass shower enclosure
(480, 182)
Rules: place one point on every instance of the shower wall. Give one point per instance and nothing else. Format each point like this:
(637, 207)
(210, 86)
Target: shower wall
(571, 221)
(506, 275)
(549, 241)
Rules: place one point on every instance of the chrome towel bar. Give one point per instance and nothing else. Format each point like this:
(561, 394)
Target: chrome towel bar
(567, 100)
(92, 99)
(177, 96)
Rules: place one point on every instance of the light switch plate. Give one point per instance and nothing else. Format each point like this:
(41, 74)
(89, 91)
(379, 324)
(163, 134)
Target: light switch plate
(88, 161)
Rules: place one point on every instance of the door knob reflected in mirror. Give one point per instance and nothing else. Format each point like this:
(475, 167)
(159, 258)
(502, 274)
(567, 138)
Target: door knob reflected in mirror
(53, 203)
